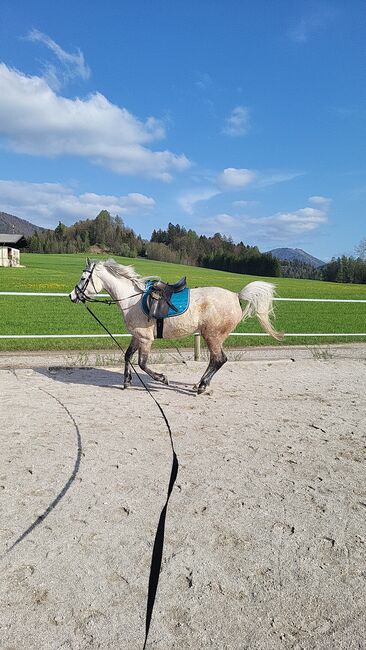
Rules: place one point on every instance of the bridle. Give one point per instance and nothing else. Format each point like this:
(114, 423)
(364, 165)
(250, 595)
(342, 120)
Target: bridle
(81, 295)
(80, 290)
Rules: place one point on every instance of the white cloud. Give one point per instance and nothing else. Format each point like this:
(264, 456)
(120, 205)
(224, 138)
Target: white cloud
(266, 179)
(231, 179)
(287, 226)
(238, 122)
(188, 200)
(235, 179)
(321, 201)
(72, 65)
(245, 204)
(224, 219)
(312, 22)
(45, 203)
(35, 120)
(224, 223)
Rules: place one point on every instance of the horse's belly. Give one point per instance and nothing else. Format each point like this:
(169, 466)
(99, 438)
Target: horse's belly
(183, 325)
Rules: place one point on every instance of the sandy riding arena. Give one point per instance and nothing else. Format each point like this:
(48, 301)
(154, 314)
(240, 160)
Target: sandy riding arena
(265, 534)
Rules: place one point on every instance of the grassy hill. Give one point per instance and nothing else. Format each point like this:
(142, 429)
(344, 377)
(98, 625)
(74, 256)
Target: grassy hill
(59, 273)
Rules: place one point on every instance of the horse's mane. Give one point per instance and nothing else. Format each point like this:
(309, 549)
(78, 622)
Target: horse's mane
(129, 272)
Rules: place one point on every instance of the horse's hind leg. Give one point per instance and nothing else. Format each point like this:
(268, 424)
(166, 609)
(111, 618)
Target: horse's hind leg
(128, 356)
(144, 349)
(217, 360)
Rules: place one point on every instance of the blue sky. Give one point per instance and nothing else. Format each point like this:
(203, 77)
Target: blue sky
(246, 118)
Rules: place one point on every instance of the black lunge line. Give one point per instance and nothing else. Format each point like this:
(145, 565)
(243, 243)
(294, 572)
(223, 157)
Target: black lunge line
(157, 553)
(67, 485)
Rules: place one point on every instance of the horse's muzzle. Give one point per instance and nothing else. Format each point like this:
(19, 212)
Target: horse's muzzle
(74, 297)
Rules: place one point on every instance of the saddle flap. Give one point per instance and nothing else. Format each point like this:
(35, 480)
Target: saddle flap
(158, 307)
(161, 300)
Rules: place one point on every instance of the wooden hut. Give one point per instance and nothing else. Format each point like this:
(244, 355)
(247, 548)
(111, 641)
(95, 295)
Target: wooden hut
(10, 246)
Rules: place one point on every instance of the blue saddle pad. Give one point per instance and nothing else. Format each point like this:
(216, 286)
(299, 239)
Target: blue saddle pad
(180, 301)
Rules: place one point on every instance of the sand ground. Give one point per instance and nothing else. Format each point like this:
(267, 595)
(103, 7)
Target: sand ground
(265, 533)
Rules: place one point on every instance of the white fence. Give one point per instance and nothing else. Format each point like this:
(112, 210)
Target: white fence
(84, 336)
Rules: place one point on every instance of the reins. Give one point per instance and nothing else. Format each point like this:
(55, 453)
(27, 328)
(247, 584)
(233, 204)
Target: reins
(107, 301)
(157, 553)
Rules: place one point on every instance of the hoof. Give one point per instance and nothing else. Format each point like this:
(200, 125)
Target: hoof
(127, 381)
(165, 380)
(201, 389)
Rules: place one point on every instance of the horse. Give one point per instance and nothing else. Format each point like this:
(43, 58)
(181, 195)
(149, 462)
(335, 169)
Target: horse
(213, 312)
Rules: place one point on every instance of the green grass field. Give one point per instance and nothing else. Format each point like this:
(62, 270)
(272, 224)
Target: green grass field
(60, 273)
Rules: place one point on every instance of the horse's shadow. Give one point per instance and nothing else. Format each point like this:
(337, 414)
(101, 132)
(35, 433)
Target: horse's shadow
(104, 378)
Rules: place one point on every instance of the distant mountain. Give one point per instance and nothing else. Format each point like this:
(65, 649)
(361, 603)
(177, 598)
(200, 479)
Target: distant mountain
(291, 254)
(11, 225)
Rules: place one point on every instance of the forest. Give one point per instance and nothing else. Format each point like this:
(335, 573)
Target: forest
(108, 234)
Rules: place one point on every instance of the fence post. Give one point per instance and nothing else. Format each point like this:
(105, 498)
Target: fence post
(197, 347)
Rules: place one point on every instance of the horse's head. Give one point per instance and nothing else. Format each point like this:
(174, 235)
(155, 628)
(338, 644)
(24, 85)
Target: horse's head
(89, 284)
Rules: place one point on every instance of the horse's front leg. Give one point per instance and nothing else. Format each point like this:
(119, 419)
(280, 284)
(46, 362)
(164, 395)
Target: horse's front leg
(144, 350)
(128, 356)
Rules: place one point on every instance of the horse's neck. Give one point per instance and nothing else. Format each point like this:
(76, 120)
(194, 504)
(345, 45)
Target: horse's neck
(117, 287)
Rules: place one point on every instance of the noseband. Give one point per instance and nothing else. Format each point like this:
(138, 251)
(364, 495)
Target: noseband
(80, 290)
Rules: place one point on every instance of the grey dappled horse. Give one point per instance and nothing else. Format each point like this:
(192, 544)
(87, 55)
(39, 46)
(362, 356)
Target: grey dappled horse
(212, 311)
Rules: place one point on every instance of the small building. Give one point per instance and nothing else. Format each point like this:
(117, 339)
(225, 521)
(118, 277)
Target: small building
(10, 246)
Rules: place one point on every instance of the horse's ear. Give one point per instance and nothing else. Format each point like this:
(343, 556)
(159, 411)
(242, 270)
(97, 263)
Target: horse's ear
(87, 261)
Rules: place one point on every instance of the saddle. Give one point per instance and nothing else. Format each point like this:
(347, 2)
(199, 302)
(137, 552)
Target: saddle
(159, 300)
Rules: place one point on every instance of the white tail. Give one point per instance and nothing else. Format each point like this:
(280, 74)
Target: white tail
(260, 303)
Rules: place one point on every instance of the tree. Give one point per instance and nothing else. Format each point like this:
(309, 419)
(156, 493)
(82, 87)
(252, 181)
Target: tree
(60, 230)
(361, 249)
(345, 269)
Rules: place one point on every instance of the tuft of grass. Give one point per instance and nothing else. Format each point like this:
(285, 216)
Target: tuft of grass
(321, 354)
